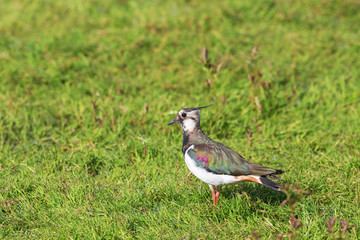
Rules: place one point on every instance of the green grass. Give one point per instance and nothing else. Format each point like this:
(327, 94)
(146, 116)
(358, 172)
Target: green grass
(87, 88)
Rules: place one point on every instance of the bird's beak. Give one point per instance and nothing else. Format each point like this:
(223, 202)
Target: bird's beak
(175, 120)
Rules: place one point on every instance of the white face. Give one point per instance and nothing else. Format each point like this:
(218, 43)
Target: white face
(189, 119)
(188, 125)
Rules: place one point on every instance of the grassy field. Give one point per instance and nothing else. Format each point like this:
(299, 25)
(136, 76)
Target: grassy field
(87, 88)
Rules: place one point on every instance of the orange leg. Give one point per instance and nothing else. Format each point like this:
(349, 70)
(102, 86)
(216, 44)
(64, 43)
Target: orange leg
(217, 197)
(215, 194)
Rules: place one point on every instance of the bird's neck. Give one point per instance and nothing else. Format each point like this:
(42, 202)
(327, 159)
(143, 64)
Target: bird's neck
(195, 136)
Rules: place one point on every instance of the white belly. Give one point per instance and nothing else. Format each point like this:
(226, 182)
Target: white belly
(205, 176)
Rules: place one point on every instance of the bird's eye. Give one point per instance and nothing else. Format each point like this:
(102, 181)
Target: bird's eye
(183, 115)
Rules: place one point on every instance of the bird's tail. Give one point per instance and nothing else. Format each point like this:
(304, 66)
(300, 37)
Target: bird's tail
(261, 180)
(262, 177)
(267, 182)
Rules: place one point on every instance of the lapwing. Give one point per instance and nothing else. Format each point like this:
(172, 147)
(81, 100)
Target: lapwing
(215, 163)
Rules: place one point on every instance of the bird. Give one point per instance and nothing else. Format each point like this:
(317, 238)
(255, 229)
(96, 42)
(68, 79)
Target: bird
(215, 163)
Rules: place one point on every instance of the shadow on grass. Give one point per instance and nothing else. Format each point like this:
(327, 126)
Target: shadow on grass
(255, 192)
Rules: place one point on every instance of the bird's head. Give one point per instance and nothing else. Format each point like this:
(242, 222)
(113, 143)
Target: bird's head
(188, 118)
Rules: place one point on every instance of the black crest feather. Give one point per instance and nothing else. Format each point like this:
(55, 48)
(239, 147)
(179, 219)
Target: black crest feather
(196, 108)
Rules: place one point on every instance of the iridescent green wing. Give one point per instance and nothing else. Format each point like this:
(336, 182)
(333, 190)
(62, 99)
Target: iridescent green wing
(219, 159)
